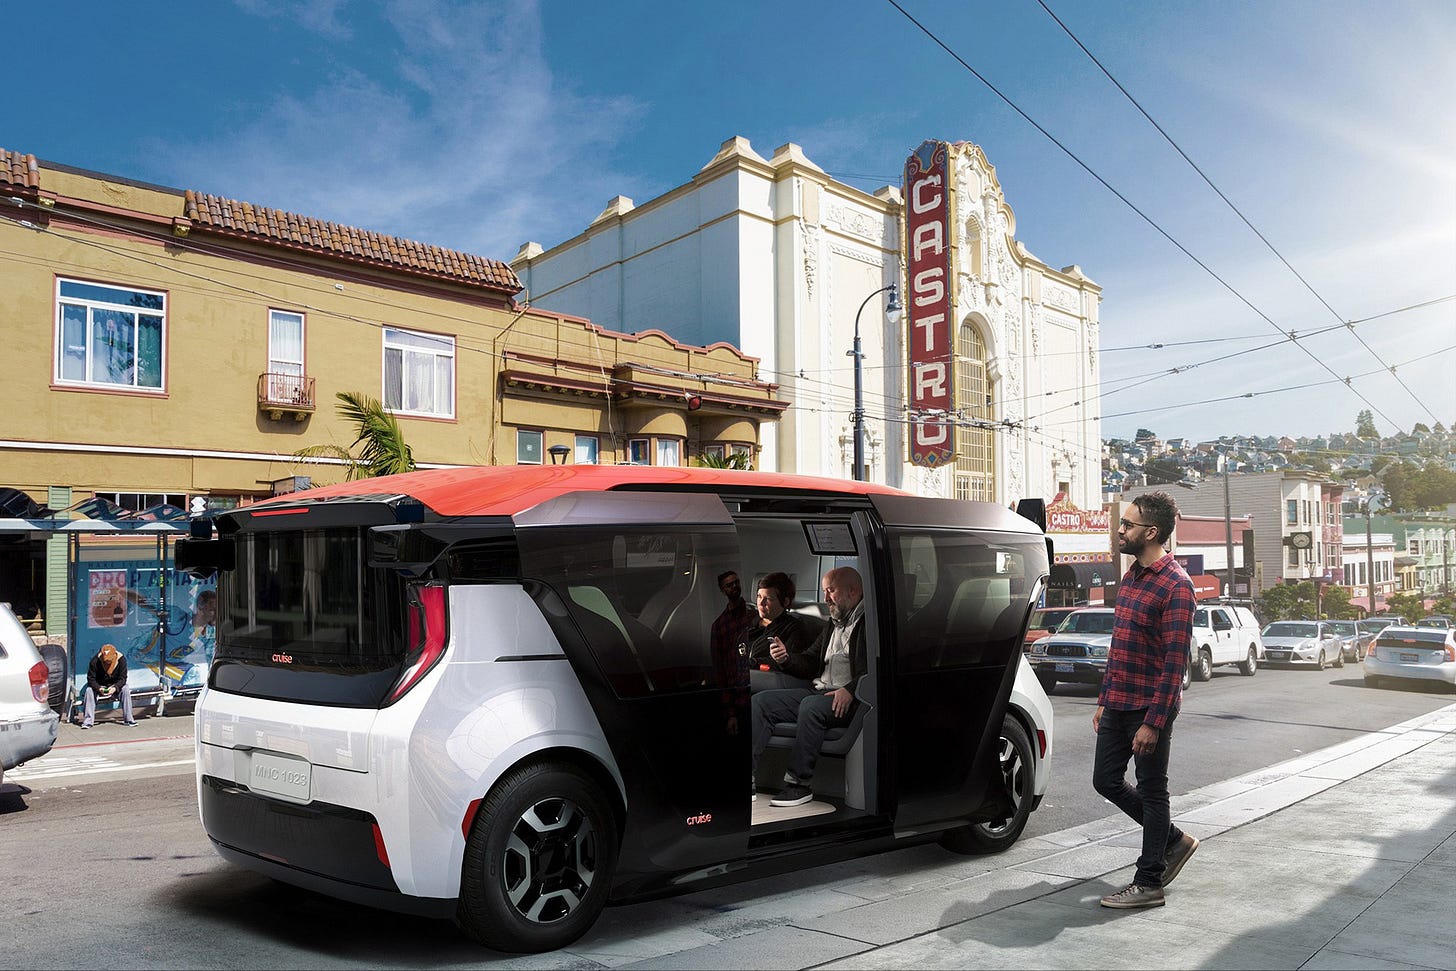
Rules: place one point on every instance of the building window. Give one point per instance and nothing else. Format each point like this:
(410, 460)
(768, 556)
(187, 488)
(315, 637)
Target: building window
(1293, 557)
(528, 447)
(1292, 512)
(719, 452)
(110, 337)
(419, 373)
(138, 501)
(975, 462)
(587, 450)
(639, 451)
(285, 356)
(669, 452)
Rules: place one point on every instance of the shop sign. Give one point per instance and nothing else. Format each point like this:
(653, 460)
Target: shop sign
(928, 304)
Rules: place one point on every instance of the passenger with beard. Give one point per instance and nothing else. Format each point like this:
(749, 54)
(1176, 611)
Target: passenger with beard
(777, 626)
(836, 662)
(1141, 693)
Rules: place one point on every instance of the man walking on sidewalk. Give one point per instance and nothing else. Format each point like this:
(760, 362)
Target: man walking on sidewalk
(1141, 694)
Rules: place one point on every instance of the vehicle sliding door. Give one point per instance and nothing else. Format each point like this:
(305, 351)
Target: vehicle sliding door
(629, 582)
(963, 575)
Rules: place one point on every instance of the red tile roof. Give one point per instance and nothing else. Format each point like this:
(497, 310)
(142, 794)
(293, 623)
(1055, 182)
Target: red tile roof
(230, 217)
(19, 171)
(243, 220)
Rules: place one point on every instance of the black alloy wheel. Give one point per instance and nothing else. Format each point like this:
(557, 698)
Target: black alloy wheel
(539, 861)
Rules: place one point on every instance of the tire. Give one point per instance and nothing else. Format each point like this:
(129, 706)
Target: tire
(1048, 683)
(1322, 662)
(1018, 771)
(550, 807)
(1250, 665)
(1203, 667)
(1187, 677)
(1340, 659)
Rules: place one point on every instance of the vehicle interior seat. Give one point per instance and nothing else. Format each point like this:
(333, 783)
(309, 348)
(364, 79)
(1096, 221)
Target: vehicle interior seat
(615, 636)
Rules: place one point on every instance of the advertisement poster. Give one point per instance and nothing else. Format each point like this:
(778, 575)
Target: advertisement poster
(161, 620)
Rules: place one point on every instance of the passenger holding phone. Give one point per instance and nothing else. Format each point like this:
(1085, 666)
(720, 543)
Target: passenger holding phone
(780, 633)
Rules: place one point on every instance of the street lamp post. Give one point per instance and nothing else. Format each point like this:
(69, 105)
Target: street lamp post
(1369, 556)
(892, 313)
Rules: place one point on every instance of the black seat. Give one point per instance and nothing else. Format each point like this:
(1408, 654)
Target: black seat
(837, 741)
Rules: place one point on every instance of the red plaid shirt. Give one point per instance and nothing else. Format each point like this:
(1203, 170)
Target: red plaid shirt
(1150, 639)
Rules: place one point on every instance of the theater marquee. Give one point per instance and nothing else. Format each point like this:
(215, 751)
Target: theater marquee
(928, 229)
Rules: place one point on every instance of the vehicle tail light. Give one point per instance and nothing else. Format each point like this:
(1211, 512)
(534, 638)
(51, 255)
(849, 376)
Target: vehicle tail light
(1450, 653)
(40, 682)
(425, 618)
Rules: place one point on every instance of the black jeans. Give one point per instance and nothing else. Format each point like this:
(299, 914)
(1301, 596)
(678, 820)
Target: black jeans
(1147, 805)
(812, 709)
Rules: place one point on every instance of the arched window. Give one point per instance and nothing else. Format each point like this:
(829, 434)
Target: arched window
(975, 473)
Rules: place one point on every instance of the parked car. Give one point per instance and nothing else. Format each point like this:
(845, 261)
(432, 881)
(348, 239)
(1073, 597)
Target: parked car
(1304, 642)
(1374, 625)
(1413, 654)
(1435, 620)
(28, 726)
(1044, 620)
(1224, 634)
(1356, 642)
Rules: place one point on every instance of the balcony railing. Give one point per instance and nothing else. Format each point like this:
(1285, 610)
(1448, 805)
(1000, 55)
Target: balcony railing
(280, 394)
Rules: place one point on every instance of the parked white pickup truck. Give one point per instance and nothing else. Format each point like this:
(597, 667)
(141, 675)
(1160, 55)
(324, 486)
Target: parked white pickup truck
(1224, 634)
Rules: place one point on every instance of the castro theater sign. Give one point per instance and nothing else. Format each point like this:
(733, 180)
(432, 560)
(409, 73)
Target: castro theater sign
(928, 248)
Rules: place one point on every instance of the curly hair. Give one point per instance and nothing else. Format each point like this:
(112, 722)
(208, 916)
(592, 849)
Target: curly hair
(1161, 512)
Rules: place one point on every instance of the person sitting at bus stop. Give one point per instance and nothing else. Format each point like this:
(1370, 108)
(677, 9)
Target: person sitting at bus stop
(106, 681)
(836, 662)
(775, 597)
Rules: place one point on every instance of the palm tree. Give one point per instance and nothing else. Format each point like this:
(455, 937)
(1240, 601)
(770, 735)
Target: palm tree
(733, 460)
(384, 451)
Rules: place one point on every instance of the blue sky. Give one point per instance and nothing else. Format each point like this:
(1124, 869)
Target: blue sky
(479, 126)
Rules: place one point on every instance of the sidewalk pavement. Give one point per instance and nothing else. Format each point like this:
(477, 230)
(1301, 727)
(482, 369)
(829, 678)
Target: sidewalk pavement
(1342, 858)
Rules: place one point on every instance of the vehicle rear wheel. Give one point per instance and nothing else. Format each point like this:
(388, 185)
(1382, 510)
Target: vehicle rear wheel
(539, 860)
(1048, 683)
(1018, 773)
(1203, 667)
(1250, 664)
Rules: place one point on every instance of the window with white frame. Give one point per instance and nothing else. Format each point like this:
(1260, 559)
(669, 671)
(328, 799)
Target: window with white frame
(588, 450)
(285, 356)
(528, 447)
(669, 451)
(719, 452)
(110, 336)
(419, 373)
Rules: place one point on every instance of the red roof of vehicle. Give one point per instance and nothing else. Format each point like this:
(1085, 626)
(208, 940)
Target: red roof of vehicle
(504, 490)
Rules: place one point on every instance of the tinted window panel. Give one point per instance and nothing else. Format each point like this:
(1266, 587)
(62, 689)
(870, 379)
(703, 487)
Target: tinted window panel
(962, 597)
(643, 598)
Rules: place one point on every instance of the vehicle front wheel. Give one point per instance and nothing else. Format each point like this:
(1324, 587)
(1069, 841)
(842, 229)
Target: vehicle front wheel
(1203, 670)
(1018, 773)
(1340, 659)
(1187, 676)
(1250, 664)
(1322, 662)
(539, 860)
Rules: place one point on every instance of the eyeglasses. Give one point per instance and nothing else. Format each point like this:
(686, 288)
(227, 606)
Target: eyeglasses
(1128, 524)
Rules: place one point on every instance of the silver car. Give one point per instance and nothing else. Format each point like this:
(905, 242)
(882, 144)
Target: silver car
(1076, 651)
(27, 724)
(1304, 642)
(1412, 653)
(1356, 641)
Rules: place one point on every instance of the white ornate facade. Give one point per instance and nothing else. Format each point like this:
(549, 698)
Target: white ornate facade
(776, 258)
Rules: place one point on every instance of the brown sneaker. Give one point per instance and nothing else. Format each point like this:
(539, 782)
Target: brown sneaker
(1132, 897)
(1178, 855)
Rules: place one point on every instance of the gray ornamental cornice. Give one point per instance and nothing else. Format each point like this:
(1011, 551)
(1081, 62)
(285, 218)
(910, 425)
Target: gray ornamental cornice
(873, 259)
(855, 222)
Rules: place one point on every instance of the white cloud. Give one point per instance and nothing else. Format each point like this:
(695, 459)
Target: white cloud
(458, 141)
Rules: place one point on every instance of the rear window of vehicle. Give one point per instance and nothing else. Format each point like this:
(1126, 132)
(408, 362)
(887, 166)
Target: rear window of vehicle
(1286, 629)
(1412, 638)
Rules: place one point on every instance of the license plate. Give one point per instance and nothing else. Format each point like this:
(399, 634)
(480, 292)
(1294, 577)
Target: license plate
(1278, 655)
(1410, 657)
(1066, 666)
(277, 775)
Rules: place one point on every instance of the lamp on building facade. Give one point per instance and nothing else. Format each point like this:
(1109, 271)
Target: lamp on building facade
(558, 454)
(892, 314)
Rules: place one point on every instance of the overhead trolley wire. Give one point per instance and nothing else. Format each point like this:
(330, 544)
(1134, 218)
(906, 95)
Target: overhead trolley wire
(1127, 202)
(1229, 202)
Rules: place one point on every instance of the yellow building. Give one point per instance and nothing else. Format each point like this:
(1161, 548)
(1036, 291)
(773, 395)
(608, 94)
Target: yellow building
(164, 345)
